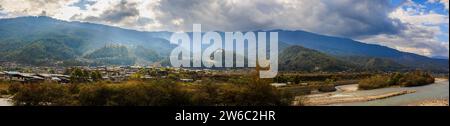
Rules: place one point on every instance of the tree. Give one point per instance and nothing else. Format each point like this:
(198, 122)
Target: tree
(96, 76)
(136, 76)
(79, 76)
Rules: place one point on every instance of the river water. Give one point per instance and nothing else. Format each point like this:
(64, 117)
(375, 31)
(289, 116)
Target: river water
(439, 90)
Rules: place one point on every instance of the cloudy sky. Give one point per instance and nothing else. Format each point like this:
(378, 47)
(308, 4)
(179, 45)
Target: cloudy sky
(417, 26)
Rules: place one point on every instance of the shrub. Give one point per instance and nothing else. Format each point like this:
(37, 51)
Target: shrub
(263, 94)
(13, 88)
(207, 94)
(416, 78)
(42, 95)
(3, 92)
(135, 94)
(94, 95)
(377, 81)
(151, 93)
(327, 88)
(241, 92)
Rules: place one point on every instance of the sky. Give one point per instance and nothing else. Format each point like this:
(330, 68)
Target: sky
(416, 26)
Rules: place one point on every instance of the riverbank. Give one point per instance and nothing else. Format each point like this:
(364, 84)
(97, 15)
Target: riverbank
(436, 102)
(5, 102)
(349, 95)
(331, 98)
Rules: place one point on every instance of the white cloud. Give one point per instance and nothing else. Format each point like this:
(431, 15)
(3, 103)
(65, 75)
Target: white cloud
(133, 14)
(420, 34)
(16, 8)
(419, 18)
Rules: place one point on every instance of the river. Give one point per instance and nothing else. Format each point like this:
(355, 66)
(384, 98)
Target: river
(438, 90)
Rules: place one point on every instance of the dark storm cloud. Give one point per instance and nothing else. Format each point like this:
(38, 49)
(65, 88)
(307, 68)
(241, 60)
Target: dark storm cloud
(350, 18)
(216, 15)
(114, 14)
(361, 17)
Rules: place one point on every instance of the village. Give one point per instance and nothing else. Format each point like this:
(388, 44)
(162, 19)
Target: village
(19, 73)
(65, 75)
(11, 72)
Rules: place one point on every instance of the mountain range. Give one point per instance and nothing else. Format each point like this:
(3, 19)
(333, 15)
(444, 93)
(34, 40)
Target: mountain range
(46, 41)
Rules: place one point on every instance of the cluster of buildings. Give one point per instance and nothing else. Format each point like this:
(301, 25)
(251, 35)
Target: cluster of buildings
(109, 73)
(33, 77)
(122, 73)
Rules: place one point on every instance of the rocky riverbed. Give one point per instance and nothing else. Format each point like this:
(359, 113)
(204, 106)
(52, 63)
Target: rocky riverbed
(436, 94)
(435, 102)
(5, 102)
(336, 98)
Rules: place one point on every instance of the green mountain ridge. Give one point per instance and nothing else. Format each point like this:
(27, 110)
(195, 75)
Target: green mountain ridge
(115, 55)
(46, 41)
(297, 58)
(41, 52)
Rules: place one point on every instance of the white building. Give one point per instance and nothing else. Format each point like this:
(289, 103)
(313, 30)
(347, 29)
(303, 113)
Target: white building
(278, 84)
